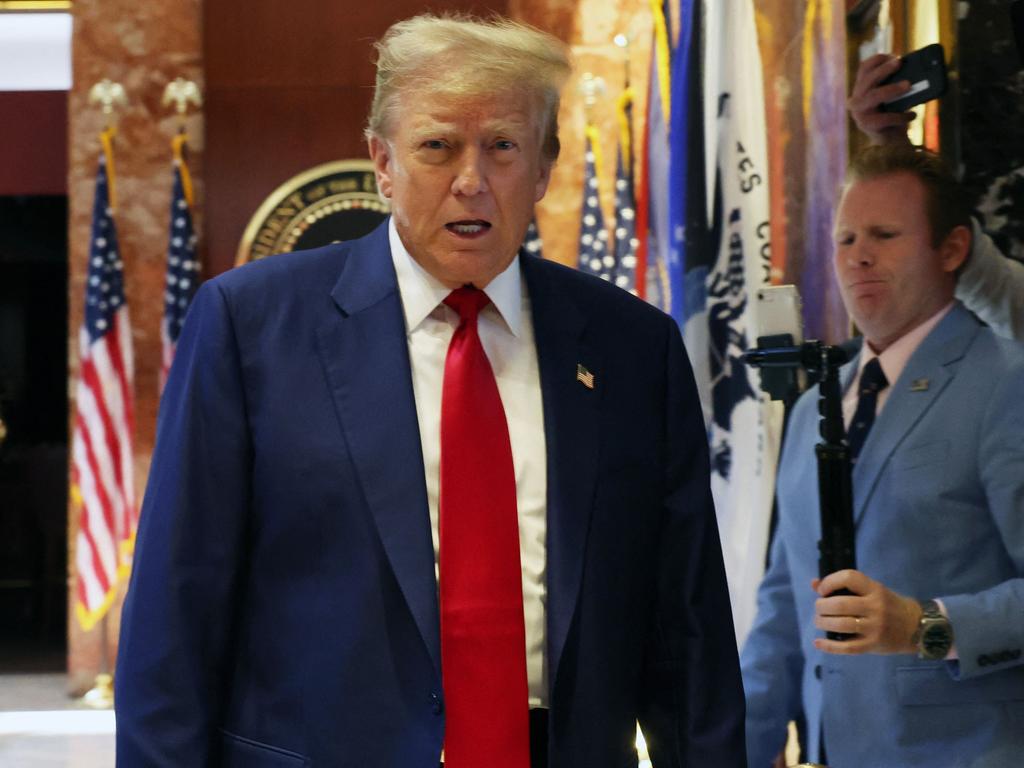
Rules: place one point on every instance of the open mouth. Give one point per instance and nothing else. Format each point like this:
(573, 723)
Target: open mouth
(468, 227)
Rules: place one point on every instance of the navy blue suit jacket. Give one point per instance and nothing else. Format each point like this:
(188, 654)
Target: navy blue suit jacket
(283, 607)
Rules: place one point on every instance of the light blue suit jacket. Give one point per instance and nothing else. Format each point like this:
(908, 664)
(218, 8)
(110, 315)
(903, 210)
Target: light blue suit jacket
(939, 511)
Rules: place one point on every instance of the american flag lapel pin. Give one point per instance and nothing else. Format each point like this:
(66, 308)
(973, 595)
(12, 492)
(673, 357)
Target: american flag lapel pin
(585, 377)
(919, 385)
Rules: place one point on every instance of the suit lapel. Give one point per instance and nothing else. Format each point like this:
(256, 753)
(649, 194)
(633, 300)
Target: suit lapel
(934, 362)
(571, 426)
(366, 358)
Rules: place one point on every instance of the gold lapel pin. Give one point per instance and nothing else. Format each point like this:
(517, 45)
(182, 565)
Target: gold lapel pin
(919, 385)
(585, 377)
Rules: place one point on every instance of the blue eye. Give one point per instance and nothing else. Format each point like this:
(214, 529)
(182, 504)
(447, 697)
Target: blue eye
(434, 144)
(504, 144)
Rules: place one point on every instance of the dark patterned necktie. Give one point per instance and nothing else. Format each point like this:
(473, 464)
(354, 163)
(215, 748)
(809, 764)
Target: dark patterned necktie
(483, 640)
(872, 381)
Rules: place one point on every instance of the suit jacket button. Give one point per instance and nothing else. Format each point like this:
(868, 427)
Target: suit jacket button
(436, 705)
(984, 660)
(817, 671)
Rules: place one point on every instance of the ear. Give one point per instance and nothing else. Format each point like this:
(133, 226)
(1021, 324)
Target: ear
(380, 153)
(542, 180)
(955, 248)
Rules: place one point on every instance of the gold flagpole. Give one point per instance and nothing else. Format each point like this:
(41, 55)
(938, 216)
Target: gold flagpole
(110, 96)
(181, 93)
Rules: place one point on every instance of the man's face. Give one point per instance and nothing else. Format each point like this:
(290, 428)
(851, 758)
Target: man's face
(462, 177)
(890, 276)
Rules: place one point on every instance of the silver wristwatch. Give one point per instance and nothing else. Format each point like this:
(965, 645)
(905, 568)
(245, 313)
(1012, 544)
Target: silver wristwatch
(934, 635)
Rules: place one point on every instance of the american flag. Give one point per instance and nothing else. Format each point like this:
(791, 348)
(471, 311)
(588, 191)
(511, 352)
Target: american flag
(585, 377)
(532, 242)
(104, 420)
(594, 255)
(626, 242)
(182, 265)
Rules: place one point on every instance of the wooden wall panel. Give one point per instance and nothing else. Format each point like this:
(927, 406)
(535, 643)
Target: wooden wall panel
(33, 147)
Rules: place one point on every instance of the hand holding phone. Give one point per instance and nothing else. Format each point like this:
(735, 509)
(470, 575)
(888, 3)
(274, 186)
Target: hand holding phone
(925, 70)
(867, 95)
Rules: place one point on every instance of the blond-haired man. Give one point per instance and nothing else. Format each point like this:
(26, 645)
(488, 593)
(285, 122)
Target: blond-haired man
(419, 498)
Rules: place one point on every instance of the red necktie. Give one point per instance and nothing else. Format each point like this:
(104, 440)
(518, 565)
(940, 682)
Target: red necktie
(483, 636)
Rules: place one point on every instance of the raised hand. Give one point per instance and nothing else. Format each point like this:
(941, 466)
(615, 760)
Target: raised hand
(881, 127)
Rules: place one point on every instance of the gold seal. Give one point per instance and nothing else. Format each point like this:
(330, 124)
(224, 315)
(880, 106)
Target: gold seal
(328, 203)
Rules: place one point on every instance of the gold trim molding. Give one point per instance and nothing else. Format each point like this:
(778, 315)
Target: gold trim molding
(34, 6)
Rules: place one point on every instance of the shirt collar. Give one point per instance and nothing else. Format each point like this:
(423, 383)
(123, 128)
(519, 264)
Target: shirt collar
(894, 358)
(421, 292)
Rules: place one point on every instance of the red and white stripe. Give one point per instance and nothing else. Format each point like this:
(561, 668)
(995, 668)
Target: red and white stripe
(168, 347)
(102, 466)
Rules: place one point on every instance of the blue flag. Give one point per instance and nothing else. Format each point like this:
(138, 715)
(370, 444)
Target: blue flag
(693, 246)
(594, 255)
(532, 242)
(182, 264)
(624, 269)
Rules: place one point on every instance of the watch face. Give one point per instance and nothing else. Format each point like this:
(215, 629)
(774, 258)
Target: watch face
(935, 641)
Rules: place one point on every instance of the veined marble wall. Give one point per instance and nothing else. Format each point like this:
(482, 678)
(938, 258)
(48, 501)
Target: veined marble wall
(589, 27)
(143, 46)
(992, 88)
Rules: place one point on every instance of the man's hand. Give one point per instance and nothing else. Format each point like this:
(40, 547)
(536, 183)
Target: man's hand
(882, 621)
(868, 95)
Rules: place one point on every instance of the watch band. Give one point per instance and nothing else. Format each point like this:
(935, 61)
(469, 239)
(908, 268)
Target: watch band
(934, 634)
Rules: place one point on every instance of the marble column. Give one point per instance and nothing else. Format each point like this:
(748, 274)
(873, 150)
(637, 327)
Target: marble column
(143, 46)
(589, 27)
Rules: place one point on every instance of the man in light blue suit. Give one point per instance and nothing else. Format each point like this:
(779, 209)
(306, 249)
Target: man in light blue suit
(284, 608)
(933, 675)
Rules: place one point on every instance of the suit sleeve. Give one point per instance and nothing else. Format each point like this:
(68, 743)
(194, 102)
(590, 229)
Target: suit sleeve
(988, 626)
(992, 286)
(691, 708)
(772, 663)
(177, 617)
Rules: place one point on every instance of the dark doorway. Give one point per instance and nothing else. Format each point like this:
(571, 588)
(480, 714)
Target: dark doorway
(33, 457)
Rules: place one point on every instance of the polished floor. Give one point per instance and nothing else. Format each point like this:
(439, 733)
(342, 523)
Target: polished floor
(40, 727)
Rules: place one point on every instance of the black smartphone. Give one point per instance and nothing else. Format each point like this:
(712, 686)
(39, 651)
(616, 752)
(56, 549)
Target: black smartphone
(925, 69)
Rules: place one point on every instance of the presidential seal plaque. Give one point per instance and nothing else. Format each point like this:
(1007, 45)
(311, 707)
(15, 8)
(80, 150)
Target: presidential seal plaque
(328, 203)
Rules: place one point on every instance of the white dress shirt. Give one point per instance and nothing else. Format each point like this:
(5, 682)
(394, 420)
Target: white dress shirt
(893, 360)
(506, 333)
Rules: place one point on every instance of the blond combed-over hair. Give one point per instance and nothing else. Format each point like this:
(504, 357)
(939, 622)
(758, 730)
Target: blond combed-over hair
(459, 57)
